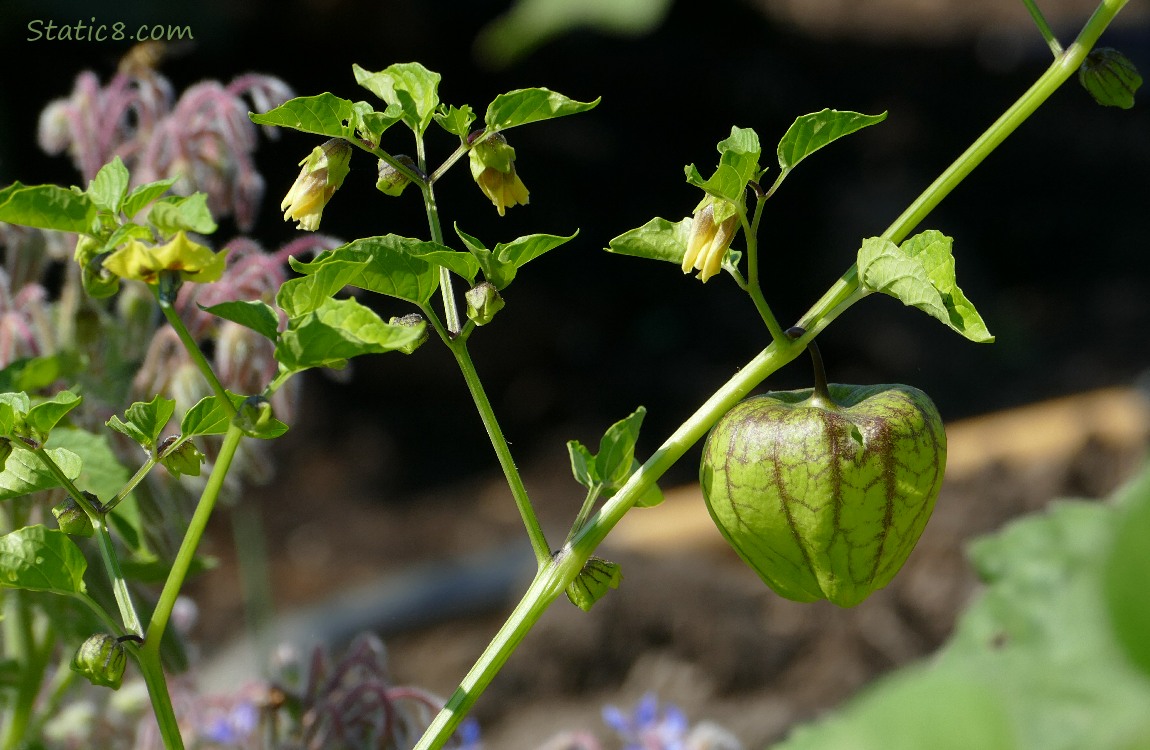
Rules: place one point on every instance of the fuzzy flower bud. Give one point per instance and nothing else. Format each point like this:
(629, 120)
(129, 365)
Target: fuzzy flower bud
(493, 168)
(102, 660)
(72, 519)
(391, 181)
(412, 320)
(324, 170)
(483, 301)
(708, 243)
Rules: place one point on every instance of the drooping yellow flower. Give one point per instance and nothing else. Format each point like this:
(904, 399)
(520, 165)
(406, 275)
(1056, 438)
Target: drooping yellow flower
(708, 243)
(493, 168)
(324, 170)
(143, 262)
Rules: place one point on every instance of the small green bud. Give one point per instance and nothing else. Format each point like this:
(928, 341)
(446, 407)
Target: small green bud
(1110, 78)
(391, 181)
(98, 282)
(596, 578)
(101, 659)
(483, 301)
(256, 419)
(181, 458)
(72, 519)
(412, 320)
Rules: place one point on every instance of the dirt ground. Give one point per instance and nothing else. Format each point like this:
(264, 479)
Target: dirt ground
(436, 575)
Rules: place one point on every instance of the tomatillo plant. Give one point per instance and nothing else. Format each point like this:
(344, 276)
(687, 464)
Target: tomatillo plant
(823, 493)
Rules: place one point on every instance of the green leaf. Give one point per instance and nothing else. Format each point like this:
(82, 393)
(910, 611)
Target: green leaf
(337, 331)
(456, 120)
(175, 213)
(143, 422)
(582, 464)
(920, 273)
(501, 264)
(24, 472)
(258, 316)
(411, 86)
(658, 239)
(47, 207)
(738, 165)
(101, 471)
(1127, 574)
(208, 417)
(35, 373)
(44, 415)
(811, 132)
(524, 106)
(108, 188)
(596, 578)
(37, 558)
(390, 265)
(145, 194)
(616, 455)
(329, 115)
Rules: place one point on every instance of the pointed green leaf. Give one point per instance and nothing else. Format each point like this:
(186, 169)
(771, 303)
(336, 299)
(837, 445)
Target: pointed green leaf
(411, 86)
(37, 558)
(523, 106)
(145, 194)
(143, 422)
(811, 132)
(300, 296)
(596, 578)
(108, 188)
(388, 264)
(208, 417)
(254, 314)
(24, 473)
(101, 471)
(582, 464)
(501, 264)
(920, 273)
(617, 449)
(47, 207)
(337, 331)
(738, 165)
(455, 120)
(188, 213)
(44, 415)
(329, 115)
(658, 239)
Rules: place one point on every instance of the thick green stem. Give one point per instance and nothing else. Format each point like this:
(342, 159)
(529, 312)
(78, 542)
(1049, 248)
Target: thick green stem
(552, 579)
(502, 450)
(194, 352)
(153, 672)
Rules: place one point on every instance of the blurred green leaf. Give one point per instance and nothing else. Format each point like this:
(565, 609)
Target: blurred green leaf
(41, 559)
(24, 473)
(44, 415)
(920, 273)
(531, 23)
(1127, 574)
(811, 132)
(47, 207)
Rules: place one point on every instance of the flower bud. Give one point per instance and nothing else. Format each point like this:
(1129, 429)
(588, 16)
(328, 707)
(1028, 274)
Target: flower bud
(256, 419)
(493, 168)
(183, 458)
(413, 319)
(102, 660)
(1110, 78)
(324, 170)
(391, 181)
(72, 519)
(708, 243)
(483, 301)
(98, 282)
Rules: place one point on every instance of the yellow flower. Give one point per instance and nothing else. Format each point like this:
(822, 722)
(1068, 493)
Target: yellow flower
(323, 172)
(709, 241)
(493, 168)
(142, 262)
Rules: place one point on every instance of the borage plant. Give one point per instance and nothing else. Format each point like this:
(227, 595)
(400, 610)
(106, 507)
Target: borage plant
(823, 492)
